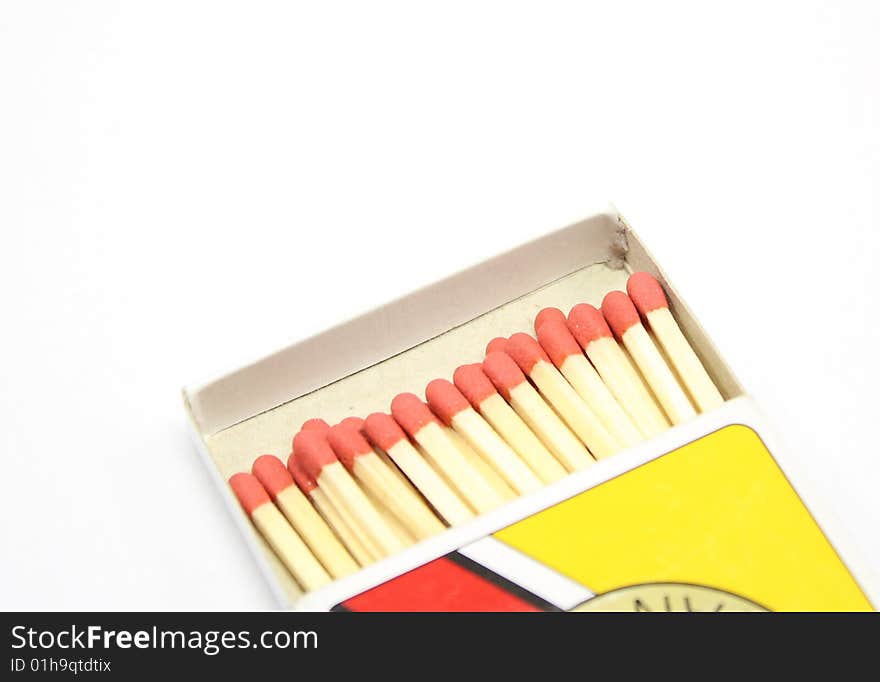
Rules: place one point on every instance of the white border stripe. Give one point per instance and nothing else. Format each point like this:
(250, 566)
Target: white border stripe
(535, 577)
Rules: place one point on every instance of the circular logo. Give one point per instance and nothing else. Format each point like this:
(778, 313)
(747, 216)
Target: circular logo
(668, 597)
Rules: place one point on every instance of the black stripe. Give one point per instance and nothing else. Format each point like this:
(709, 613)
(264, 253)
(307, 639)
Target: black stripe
(501, 581)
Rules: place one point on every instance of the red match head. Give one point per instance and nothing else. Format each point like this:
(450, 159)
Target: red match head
(313, 452)
(525, 351)
(472, 381)
(316, 424)
(303, 479)
(620, 312)
(445, 400)
(250, 493)
(272, 474)
(548, 314)
(646, 292)
(496, 345)
(411, 413)
(503, 372)
(556, 339)
(586, 324)
(348, 444)
(355, 423)
(383, 431)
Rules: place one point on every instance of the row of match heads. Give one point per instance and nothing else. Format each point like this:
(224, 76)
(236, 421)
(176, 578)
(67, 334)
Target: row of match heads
(592, 383)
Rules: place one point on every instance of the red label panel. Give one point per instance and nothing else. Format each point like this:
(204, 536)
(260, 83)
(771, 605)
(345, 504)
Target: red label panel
(441, 585)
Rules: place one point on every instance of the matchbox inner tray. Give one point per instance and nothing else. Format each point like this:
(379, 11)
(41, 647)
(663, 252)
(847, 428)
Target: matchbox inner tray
(710, 515)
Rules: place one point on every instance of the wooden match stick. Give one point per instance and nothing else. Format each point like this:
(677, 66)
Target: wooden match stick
(276, 479)
(356, 525)
(358, 456)
(624, 320)
(647, 295)
(386, 434)
(390, 519)
(288, 546)
(343, 528)
(317, 458)
(480, 392)
(533, 361)
(356, 423)
(423, 426)
(513, 386)
(487, 470)
(447, 402)
(566, 354)
(359, 425)
(591, 331)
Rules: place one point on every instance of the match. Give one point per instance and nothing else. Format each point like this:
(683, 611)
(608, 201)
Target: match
(423, 426)
(344, 529)
(358, 456)
(386, 434)
(647, 295)
(317, 458)
(359, 425)
(533, 361)
(390, 519)
(513, 386)
(316, 424)
(486, 470)
(592, 333)
(496, 345)
(276, 479)
(355, 423)
(288, 546)
(624, 320)
(480, 392)
(565, 353)
(455, 411)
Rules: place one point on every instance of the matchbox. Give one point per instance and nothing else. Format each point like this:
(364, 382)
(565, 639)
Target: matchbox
(709, 513)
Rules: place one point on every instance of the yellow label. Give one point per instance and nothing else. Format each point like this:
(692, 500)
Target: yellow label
(717, 513)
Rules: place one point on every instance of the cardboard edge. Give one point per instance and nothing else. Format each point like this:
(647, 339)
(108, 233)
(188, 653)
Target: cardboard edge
(242, 522)
(639, 257)
(204, 400)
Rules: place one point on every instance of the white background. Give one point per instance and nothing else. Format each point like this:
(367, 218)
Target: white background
(188, 186)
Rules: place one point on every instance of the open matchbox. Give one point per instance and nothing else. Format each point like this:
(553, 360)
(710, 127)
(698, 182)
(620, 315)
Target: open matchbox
(710, 515)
